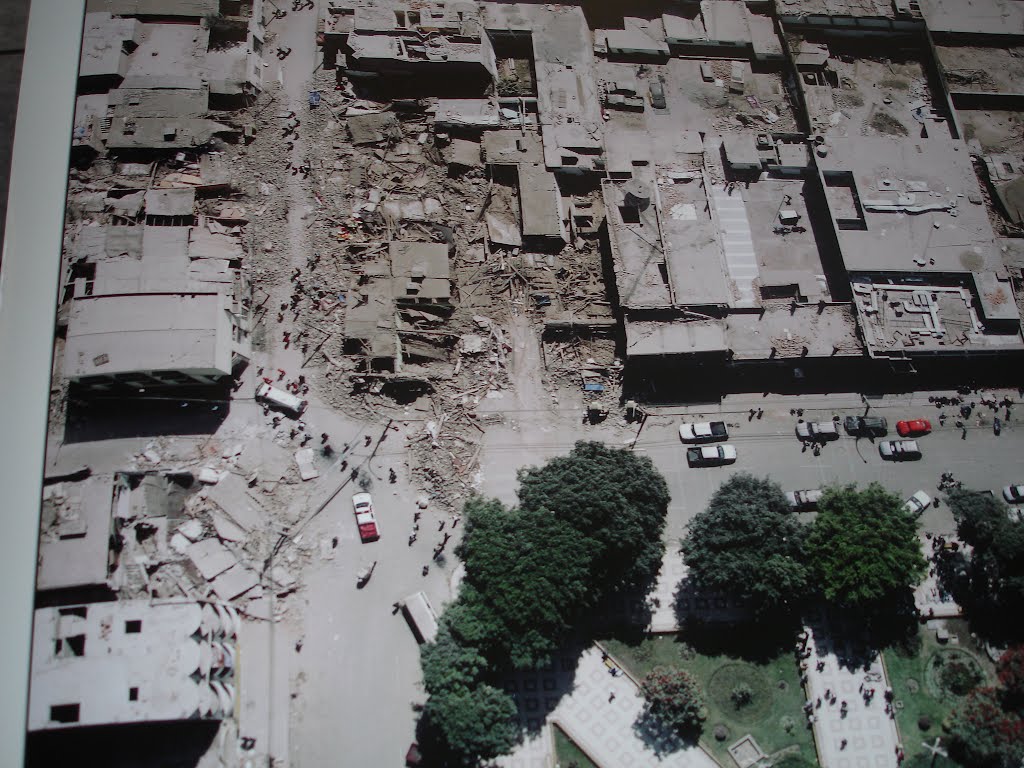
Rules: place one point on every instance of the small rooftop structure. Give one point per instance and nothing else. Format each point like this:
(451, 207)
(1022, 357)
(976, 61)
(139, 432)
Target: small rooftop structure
(639, 38)
(132, 662)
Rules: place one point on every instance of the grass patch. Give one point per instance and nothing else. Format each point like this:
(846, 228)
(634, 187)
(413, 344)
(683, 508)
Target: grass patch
(887, 124)
(567, 754)
(914, 674)
(776, 701)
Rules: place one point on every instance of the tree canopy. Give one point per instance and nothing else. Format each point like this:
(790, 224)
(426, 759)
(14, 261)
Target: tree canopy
(863, 546)
(615, 497)
(532, 570)
(674, 698)
(475, 722)
(986, 733)
(996, 569)
(748, 543)
(588, 524)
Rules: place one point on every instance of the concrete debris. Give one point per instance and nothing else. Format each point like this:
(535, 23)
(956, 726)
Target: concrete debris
(210, 558)
(304, 460)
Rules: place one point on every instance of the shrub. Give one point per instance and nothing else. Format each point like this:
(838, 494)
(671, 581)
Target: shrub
(674, 698)
(741, 695)
(959, 676)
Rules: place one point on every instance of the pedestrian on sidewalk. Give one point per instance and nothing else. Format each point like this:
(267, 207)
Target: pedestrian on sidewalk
(611, 697)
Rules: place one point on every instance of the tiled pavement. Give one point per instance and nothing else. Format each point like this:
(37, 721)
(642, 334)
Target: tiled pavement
(582, 703)
(870, 733)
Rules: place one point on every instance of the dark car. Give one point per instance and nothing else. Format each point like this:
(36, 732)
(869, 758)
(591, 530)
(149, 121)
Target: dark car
(866, 426)
(657, 94)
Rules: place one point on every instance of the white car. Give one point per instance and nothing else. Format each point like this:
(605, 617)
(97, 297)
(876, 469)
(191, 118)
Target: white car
(899, 450)
(1013, 494)
(703, 431)
(817, 431)
(918, 503)
(804, 499)
(711, 455)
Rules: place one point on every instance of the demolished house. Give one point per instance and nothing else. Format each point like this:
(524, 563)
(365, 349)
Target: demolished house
(118, 663)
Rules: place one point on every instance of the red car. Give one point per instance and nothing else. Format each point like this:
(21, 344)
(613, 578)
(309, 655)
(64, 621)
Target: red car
(913, 427)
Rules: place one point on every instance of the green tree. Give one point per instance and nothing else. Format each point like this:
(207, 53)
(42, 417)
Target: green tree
(674, 698)
(475, 723)
(741, 695)
(748, 543)
(863, 546)
(996, 568)
(532, 570)
(986, 735)
(448, 665)
(615, 497)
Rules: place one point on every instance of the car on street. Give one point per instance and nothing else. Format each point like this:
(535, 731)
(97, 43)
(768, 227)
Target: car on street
(703, 431)
(800, 500)
(1014, 494)
(657, 94)
(913, 427)
(918, 503)
(817, 431)
(711, 455)
(362, 504)
(899, 450)
(866, 426)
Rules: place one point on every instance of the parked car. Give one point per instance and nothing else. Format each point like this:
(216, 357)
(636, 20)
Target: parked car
(817, 431)
(913, 428)
(703, 431)
(657, 94)
(800, 500)
(899, 450)
(362, 503)
(280, 400)
(711, 455)
(918, 503)
(866, 426)
(1014, 494)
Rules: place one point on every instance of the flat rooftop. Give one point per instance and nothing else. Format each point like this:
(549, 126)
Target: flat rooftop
(122, 662)
(911, 206)
(638, 251)
(121, 334)
(855, 8)
(169, 56)
(693, 249)
(974, 17)
(74, 536)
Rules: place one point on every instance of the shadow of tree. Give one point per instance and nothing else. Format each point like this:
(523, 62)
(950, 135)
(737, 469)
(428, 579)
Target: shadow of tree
(660, 738)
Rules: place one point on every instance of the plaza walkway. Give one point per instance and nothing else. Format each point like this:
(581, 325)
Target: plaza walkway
(869, 733)
(599, 712)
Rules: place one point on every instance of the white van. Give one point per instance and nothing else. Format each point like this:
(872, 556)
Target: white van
(421, 617)
(281, 400)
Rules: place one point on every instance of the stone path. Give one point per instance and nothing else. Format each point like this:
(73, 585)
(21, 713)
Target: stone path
(598, 711)
(870, 733)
